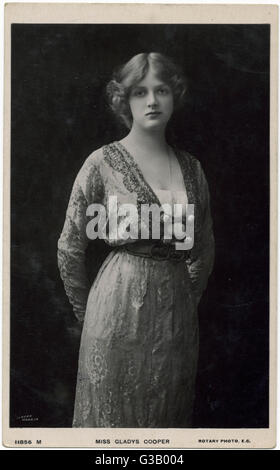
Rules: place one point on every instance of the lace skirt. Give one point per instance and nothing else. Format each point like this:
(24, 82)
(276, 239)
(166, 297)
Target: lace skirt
(139, 346)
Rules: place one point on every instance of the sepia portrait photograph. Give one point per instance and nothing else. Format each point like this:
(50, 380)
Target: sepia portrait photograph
(140, 196)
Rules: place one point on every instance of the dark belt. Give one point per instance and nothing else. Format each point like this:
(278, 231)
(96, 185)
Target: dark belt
(157, 251)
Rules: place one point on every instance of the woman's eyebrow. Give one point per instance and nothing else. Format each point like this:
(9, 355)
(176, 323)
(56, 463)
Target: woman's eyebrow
(158, 85)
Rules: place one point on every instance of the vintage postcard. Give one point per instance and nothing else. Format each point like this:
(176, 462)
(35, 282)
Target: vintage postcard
(140, 226)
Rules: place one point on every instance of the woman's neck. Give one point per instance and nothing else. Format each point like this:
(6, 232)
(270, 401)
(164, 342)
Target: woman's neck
(149, 142)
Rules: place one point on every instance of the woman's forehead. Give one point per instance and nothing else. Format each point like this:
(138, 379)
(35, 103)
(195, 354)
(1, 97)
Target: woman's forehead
(151, 78)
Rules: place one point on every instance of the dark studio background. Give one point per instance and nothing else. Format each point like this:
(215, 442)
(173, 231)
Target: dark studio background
(59, 116)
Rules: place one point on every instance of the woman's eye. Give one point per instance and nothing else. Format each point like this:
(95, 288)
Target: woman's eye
(163, 91)
(138, 93)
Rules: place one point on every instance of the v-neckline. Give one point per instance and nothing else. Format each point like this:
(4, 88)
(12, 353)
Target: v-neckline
(138, 170)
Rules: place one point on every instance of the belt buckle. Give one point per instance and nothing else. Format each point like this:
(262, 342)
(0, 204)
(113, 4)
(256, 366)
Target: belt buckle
(159, 257)
(179, 255)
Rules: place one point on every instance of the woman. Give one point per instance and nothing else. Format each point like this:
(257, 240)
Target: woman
(139, 344)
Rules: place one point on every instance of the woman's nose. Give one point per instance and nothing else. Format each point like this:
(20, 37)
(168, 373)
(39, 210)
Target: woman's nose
(152, 99)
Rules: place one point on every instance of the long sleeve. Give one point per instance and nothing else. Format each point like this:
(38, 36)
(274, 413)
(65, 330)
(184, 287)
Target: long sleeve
(73, 240)
(201, 261)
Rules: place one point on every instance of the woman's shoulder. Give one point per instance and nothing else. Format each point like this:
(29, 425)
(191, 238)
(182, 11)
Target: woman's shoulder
(96, 157)
(90, 172)
(188, 158)
(192, 166)
(93, 164)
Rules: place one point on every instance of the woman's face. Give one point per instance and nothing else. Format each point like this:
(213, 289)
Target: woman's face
(151, 102)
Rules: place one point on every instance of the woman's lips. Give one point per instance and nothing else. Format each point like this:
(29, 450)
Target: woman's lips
(153, 113)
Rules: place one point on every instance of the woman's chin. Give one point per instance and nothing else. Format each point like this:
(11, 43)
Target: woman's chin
(154, 125)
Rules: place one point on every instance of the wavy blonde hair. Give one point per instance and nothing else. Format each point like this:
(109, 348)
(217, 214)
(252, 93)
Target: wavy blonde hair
(133, 71)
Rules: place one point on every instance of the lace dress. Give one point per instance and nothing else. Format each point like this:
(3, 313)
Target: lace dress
(139, 344)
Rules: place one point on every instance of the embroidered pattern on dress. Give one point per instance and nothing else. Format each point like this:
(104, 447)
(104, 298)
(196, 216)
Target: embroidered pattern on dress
(96, 364)
(73, 240)
(83, 403)
(120, 160)
(116, 155)
(188, 166)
